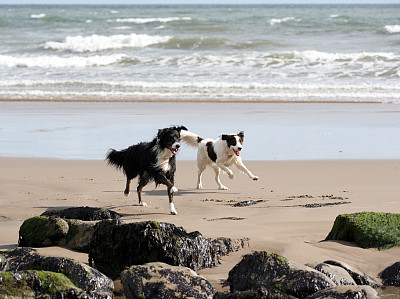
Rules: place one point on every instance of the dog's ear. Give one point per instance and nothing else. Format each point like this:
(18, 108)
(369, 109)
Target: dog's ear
(241, 136)
(225, 136)
(160, 133)
(180, 128)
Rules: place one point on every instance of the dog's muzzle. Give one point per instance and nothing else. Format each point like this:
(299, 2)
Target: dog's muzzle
(237, 152)
(174, 148)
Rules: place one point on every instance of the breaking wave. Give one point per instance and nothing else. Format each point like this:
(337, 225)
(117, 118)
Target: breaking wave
(95, 43)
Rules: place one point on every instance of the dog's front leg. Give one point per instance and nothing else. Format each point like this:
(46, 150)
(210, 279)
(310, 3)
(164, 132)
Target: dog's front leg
(162, 179)
(226, 169)
(244, 169)
(171, 202)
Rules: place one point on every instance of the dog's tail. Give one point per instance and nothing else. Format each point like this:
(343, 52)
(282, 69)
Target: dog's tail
(190, 138)
(115, 158)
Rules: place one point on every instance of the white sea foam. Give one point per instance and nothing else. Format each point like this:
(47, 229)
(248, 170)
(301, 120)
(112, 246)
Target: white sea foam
(392, 28)
(38, 16)
(151, 20)
(96, 43)
(273, 22)
(51, 61)
(200, 91)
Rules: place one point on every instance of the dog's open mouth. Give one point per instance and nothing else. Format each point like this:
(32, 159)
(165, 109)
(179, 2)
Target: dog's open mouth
(237, 153)
(173, 150)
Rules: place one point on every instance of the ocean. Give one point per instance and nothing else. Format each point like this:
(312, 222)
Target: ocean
(262, 53)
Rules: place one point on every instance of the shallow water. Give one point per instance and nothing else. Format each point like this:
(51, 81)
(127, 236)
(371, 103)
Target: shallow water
(272, 131)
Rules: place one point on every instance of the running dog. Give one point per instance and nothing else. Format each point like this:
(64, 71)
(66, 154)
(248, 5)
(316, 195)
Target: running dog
(219, 154)
(151, 161)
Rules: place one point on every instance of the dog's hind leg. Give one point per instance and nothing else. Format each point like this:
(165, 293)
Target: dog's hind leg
(142, 182)
(127, 188)
(217, 173)
(200, 170)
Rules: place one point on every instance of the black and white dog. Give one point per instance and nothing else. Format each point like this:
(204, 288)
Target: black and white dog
(219, 154)
(151, 161)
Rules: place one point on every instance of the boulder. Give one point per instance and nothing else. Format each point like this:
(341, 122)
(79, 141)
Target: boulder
(391, 275)
(271, 271)
(91, 281)
(43, 231)
(79, 235)
(346, 292)
(83, 213)
(3, 262)
(38, 284)
(159, 280)
(115, 246)
(367, 229)
(337, 274)
(358, 277)
(261, 293)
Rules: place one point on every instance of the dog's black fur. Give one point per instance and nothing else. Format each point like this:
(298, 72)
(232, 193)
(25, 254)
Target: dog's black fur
(151, 161)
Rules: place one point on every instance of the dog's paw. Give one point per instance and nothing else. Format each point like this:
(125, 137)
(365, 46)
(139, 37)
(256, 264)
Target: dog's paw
(126, 194)
(172, 209)
(200, 186)
(174, 189)
(143, 204)
(255, 178)
(231, 176)
(222, 187)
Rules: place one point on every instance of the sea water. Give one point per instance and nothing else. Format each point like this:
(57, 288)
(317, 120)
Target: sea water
(261, 53)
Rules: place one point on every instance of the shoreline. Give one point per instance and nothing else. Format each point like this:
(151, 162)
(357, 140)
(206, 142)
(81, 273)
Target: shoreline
(193, 101)
(32, 186)
(273, 131)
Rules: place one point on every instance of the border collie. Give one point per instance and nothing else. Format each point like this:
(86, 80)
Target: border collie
(151, 161)
(219, 154)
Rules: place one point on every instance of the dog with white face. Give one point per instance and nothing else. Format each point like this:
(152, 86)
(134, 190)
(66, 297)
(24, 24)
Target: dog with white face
(218, 154)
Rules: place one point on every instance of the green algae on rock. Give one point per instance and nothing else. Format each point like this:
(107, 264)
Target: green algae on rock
(367, 229)
(34, 284)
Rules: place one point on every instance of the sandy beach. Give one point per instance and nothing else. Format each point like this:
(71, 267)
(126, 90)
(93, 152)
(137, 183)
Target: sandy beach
(281, 223)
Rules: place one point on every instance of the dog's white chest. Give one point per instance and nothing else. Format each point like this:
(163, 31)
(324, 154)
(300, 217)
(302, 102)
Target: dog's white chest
(163, 160)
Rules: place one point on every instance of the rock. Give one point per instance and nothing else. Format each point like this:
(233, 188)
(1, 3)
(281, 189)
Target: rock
(261, 293)
(79, 235)
(159, 280)
(83, 213)
(346, 292)
(359, 277)
(116, 245)
(391, 275)
(271, 271)
(337, 274)
(82, 276)
(3, 262)
(43, 231)
(224, 246)
(367, 229)
(247, 203)
(38, 284)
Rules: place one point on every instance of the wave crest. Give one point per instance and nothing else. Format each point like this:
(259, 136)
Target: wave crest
(46, 61)
(151, 20)
(392, 29)
(95, 43)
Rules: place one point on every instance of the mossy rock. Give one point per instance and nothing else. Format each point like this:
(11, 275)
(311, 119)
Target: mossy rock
(34, 284)
(367, 229)
(42, 231)
(83, 213)
(271, 271)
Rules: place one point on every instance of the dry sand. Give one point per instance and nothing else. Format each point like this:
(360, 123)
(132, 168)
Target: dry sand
(279, 224)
